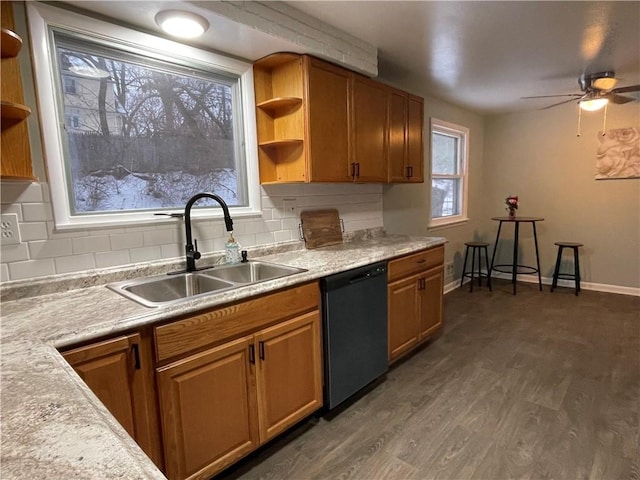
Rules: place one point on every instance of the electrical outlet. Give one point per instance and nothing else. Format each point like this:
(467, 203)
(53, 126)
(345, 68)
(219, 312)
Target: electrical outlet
(289, 207)
(448, 270)
(10, 232)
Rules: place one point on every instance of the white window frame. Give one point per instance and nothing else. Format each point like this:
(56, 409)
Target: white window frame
(40, 18)
(462, 134)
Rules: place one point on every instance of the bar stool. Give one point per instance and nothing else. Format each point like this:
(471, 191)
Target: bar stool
(576, 265)
(476, 246)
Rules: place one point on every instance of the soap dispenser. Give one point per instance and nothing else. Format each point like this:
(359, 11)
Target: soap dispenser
(232, 250)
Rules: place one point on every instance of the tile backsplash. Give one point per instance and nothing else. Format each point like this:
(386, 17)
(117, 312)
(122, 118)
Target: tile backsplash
(42, 251)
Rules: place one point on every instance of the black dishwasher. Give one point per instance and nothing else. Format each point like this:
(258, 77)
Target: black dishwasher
(355, 330)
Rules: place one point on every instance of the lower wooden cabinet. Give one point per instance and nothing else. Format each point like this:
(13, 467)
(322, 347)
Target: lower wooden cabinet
(209, 410)
(119, 371)
(415, 300)
(289, 373)
(220, 404)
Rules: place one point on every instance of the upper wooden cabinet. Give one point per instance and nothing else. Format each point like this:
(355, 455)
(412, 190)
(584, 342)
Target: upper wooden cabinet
(318, 122)
(368, 130)
(405, 134)
(15, 159)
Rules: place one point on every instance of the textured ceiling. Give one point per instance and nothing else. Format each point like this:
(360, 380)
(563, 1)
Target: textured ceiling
(486, 55)
(480, 55)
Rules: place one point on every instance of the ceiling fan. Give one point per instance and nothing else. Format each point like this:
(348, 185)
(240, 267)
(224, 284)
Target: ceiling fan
(597, 90)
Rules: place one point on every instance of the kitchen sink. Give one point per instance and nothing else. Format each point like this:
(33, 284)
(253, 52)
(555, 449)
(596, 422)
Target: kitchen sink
(163, 290)
(167, 289)
(251, 272)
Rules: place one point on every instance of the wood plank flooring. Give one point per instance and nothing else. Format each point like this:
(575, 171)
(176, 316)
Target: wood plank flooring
(534, 386)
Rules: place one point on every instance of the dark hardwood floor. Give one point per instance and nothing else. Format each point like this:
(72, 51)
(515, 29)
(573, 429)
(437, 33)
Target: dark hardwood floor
(535, 386)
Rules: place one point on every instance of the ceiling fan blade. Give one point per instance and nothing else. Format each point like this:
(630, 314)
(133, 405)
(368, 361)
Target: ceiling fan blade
(618, 99)
(631, 88)
(559, 103)
(575, 95)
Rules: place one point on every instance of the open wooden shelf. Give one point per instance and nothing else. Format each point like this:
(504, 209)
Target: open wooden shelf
(277, 105)
(286, 142)
(10, 43)
(13, 111)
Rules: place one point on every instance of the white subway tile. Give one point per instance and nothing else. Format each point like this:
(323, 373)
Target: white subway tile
(290, 224)
(91, 244)
(112, 259)
(50, 248)
(14, 208)
(273, 225)
(245, 241)
(172, 250)
(33, 231)
(21, 193)
(282, 236)
(14, 253)
(4, 273)
(36, 212)
(75, 263)
(32, 269)
(267, 214)
(255, 227)
(158, 237)
(145, 254)
(121, 241)
(265, 238)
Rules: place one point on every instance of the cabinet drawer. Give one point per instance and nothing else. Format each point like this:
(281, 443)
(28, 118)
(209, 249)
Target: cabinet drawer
(234, 320)
(417, 262)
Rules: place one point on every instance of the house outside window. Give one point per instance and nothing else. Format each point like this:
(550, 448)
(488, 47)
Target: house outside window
(449, 173)
(70, 86)
(149, 123)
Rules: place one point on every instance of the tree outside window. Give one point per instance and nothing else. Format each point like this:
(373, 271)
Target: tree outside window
(449, 151)
(134, 124)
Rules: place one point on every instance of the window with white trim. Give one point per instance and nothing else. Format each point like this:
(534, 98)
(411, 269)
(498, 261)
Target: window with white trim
(135, 124)
(449, 172)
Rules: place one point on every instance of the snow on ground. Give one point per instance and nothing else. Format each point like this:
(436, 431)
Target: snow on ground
(149, 191)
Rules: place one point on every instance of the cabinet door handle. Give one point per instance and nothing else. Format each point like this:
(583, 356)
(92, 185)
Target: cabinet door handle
(410, 171)
(358, 169)
(353, 169)
(252, 354)
(136, 356)
(421, 261)
(424, 284)
(261, 350)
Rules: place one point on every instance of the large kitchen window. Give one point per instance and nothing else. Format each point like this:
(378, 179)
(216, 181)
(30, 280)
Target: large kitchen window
(449, 172)
(135, 125)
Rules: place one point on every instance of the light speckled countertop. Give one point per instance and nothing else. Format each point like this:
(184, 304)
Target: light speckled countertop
(52, 424)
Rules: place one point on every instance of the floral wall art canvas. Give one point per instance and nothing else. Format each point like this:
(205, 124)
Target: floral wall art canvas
(618, 154)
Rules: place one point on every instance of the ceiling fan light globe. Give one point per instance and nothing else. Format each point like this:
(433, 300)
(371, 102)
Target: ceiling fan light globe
(605, 83)
(593, 104)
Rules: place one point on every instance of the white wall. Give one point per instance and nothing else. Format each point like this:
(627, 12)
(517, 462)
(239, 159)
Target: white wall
(537, 156)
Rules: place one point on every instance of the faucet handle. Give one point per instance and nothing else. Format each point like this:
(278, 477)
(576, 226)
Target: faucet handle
(196, 253)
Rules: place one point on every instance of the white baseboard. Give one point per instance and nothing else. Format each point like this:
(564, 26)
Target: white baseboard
(599, 287)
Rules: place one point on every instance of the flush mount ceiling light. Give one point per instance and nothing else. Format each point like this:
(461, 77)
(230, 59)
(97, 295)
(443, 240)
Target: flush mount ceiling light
(593, 104)
(182, 24)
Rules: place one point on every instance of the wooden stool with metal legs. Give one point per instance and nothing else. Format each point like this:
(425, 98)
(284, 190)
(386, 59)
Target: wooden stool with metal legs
(480, 246)
(576, 265)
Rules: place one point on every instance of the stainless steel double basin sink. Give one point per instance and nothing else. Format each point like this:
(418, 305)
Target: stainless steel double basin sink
(169, 289)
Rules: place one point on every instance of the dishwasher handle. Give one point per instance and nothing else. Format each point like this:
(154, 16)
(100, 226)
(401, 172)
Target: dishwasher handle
(354, 276)
(361, 277)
